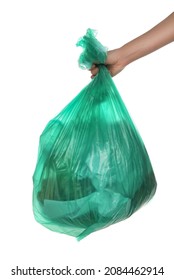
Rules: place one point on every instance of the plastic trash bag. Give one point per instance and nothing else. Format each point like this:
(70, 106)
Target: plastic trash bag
(93, 169)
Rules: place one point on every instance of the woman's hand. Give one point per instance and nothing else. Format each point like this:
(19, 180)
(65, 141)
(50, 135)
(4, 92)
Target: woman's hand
(113, 63)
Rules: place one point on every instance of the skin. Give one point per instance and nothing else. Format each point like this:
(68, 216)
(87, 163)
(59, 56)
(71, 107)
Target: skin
(154, 39)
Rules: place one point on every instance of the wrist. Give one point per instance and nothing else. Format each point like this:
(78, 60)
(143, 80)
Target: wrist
(123, 57)
(116, 57)
(130, 52)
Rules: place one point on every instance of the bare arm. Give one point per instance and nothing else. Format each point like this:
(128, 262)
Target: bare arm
(157, 37)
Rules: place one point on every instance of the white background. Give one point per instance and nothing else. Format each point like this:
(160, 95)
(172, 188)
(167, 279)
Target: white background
(39, 76)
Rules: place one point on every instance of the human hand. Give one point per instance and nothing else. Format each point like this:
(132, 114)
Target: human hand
(113, 63)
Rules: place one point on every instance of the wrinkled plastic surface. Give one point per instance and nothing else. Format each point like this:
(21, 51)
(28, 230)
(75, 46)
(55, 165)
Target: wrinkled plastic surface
(93, 169)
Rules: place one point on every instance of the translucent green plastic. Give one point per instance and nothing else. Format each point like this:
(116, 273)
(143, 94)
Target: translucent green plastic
(93, 169)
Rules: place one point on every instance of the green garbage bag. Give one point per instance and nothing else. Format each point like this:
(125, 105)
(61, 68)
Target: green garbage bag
(93, 169)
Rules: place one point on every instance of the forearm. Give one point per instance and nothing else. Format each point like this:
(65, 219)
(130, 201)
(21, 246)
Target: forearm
(159, 36)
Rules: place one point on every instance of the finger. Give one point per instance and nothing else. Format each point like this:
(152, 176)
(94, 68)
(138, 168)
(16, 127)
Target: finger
(92, 67)
(94, 71)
